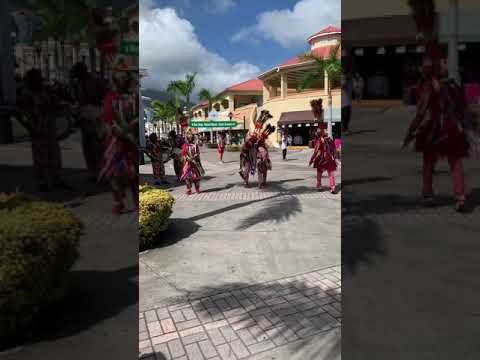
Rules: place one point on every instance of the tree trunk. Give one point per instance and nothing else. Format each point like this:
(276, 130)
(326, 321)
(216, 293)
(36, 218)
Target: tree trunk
(93, 62)
(55, 60)
(7, 71)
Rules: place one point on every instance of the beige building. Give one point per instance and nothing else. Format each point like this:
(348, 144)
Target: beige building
(239, 103)
(291, 109)
(380, 38)
(275, 90)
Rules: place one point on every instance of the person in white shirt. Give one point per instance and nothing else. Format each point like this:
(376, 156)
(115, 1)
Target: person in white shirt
(298, 140)
(346, 103)
(358, 85)
(284, 145)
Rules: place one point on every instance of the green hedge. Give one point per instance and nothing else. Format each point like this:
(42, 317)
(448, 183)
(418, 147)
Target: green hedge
(155, 209)
(38, 245)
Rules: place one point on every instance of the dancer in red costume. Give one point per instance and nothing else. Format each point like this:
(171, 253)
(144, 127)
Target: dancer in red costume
(254, 153)
(120, 160)
(441, 129)
(222, 140)
(192, 166)
(324, 157)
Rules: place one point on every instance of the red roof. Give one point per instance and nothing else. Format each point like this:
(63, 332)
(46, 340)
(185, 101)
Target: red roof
(249, 85)
(201, 104)
(321, 52)
(327, 30)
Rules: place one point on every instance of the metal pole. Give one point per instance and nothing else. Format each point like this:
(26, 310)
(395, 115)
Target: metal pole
(7, 76)
(141, 128)
(330, 130)
(453, 41)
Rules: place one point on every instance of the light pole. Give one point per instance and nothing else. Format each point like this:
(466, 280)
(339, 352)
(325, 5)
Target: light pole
(453, 41)
(141, 119)
(7, 70)
(329, 125)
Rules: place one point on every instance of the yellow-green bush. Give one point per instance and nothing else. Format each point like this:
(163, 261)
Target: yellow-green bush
(38, 245)
(155, 208)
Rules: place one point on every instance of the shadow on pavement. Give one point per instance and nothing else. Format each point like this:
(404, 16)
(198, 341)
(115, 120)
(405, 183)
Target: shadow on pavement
(360, 132)
(277, 210)
(21, 178)
(366, 180)
(277, 311)
(177, 230)
(226, 187)
(92, 297)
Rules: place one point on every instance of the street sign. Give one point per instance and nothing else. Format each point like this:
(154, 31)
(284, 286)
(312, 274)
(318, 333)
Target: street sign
(128, 47)
(213, 124)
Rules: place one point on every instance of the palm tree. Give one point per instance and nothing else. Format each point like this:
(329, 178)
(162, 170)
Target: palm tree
(173, 89)
(206, 94)
(62, 22)
(185, 87)
(331, 65)
(164, 112)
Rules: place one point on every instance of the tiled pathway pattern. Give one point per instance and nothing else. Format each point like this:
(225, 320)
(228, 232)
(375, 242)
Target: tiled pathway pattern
(254, 195)
(243, 321)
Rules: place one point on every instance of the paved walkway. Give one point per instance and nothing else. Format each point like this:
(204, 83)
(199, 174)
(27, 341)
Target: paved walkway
(97, 319)
(231, 258)
(244, 321)
(411, 285)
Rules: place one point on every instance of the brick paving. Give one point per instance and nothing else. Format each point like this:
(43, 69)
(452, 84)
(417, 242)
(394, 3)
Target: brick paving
(255, 195)
(238, 323)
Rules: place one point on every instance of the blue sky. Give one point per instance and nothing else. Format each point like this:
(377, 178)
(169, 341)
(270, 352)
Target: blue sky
(226, 41)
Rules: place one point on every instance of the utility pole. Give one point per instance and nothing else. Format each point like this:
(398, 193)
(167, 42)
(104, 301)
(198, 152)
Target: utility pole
(141, 118)
(453, 41)
(7, 76)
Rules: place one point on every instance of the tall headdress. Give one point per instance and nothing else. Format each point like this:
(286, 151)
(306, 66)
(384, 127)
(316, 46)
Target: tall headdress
(261, 120)
(317, 108)
(423, 12)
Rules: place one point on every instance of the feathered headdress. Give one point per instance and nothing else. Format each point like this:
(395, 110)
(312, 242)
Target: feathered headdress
(317, 108)
(423, 12)
(262, 119)
(269, 129)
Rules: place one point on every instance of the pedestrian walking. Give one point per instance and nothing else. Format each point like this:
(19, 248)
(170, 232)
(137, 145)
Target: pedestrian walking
(346, 104)
(221, 143)
(358, 86)
(284, 145)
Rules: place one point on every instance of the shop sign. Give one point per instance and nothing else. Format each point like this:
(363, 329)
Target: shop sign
(213, 124)
(129, 48)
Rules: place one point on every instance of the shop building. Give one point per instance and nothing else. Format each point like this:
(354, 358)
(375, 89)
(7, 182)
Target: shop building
(291, 109)
(389, 60)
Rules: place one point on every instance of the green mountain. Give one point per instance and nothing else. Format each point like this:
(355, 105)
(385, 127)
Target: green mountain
(162, 96)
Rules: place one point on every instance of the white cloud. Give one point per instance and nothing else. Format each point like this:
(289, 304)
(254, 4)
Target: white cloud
(291, 28)
(220, 6)
(169, 49)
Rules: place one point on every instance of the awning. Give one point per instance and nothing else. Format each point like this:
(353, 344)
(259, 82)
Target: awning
(364, 32)
(306, 117)
(296, 117)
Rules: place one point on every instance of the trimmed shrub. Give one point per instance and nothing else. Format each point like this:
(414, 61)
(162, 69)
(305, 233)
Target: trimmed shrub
(38, 245)
(212, 145)
(155, 208)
